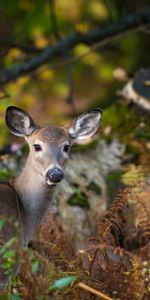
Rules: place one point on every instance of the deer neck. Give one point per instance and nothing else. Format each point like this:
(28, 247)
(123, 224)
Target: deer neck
(34, 193)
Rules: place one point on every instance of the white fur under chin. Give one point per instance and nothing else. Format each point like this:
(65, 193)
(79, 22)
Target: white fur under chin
(50, 183)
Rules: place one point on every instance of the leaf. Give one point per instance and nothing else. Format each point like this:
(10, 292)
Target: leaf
(15, 297)
(35, 267)
(7, 245)
(1, 223)
(11, 297)
(9, 254)
(63, 282)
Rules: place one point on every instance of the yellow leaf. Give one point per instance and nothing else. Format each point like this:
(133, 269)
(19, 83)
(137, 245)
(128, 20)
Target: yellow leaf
(61, 89)
(133, 175)
(22, 81)
(70, 10)
(40, 40)
(13, 54)
(82, 27)
(90, 58)
(46, 74)
(98, 9)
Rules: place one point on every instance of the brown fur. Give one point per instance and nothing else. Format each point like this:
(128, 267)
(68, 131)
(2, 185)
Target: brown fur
(51, 134)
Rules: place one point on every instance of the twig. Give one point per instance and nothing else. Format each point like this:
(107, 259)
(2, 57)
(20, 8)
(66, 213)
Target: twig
(131, 22)
(93, 291)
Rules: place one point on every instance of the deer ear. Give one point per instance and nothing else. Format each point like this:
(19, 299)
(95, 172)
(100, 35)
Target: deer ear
(86, 125)
(19, 122)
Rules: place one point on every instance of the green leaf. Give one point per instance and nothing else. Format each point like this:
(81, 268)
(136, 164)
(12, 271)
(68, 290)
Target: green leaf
(35, 267)
(63, 282)
(7, 245)
(10, 253)
(15, 297)
(11, 297)
(1, 223)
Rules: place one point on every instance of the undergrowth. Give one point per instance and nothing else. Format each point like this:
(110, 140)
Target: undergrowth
(114, 263)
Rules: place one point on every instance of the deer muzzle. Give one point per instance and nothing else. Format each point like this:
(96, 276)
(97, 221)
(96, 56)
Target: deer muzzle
(54, 175)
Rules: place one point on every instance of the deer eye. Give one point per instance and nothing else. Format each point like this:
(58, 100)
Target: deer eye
(37, 147)
(66, 148)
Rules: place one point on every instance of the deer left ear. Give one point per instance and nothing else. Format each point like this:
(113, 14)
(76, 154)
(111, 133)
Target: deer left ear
(86, 125)
(19, 122)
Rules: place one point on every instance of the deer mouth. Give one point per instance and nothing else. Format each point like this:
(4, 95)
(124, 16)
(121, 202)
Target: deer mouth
(49, 182)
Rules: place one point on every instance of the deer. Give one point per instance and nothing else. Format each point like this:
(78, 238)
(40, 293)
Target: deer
(30, 194)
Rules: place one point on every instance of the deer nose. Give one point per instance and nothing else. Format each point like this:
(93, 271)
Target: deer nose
(55, 175)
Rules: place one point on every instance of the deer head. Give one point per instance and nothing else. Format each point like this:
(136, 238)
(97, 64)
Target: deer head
(50, 145)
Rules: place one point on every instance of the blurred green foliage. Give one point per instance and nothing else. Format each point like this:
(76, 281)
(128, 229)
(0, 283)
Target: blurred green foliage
(78, 199)
(6, 172)
(28, 25)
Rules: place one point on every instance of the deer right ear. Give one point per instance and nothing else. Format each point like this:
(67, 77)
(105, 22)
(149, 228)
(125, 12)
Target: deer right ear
(19, 122)
(86, 125)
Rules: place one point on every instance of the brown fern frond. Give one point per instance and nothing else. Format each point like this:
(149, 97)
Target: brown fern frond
(143, 232)
(137, 232)
(143, 218)
(122, 273)
(110, 227)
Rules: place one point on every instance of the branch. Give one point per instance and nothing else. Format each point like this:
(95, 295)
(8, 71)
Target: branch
(100, 34)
